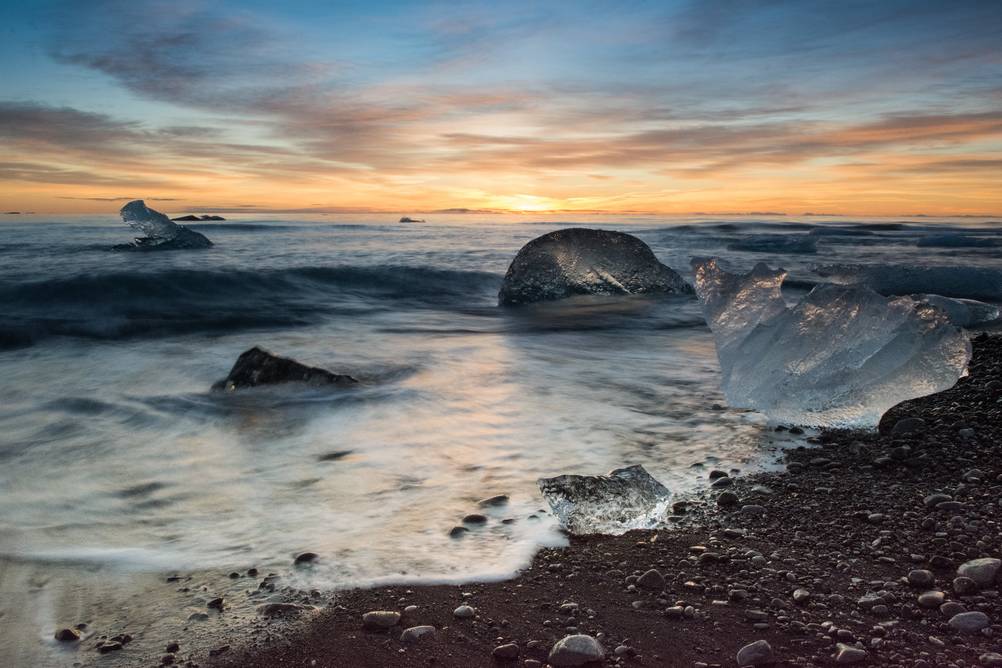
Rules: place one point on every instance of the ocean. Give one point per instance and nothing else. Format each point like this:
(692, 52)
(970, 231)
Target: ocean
(117, 464)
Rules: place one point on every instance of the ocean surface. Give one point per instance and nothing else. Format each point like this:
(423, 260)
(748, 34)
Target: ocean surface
(115, 458)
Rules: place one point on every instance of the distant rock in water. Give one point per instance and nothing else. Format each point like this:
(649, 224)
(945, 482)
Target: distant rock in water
(579, 261)
(259, 367)
(840, 357)
(161, 233)
(405, 219)
(192, 217)
(627, 498)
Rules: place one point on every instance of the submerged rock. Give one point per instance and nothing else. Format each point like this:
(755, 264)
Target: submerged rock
(259, 367)
(407, 219)
(840, 357)
(580, 261)
(160, 232)
(627, 498)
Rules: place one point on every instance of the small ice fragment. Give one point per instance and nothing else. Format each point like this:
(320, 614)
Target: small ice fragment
(840, 357)
(160, 232)
(626, 498)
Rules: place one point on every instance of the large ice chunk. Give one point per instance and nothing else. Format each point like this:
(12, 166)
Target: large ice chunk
(627, 498)
(580, 261)
(962, 312)
(840, 357)
(160, 232)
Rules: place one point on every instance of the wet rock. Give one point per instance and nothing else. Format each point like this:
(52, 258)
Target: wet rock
(983, 571)
(727, 499)
(458, 532)
(215, 604)
(279, 609)
(758, 653)
(257, 367)
(380, 620)
(305, 558)
(907, 426)
(575, 650)
(417, 633)
(494, 501)
(475, 518)
(67, 635)
(111, 646)
(580, 261)
(969, 622)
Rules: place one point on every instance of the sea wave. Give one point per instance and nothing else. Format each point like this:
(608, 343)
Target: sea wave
(135, 304)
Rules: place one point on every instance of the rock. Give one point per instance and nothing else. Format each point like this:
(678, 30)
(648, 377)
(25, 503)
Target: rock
(408, 219)
(458, 532)
(215, 604)
(279, 609)
(847, 654)
(931, 599)
(801, 596)
(934, 500)
(257, 367)
(757, 653)
(305, 558)
(964, 586)
(983, 571)
(921, 578)
(380, 620)
(186, 219)
(753, 510)
(416, 633)
(197, 617)
(494, 501)
(579, 261)
(111, 646)
(475, 518)
(727, 499)
(506, 652)
(993, 659)
(67, 635)
(969, 622)
(464, 612)
(951, 608)
(575, 650)
(907, 426)
(652, 580)
(720, 483)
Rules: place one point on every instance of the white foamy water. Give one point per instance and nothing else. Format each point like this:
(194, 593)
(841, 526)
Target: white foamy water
(115, 457)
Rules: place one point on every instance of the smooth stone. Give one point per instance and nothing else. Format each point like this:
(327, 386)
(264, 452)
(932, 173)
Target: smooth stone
(755, 654)
(910, 425)
(722, 482)
(499, 500)
(969, 622)
(464, 612)
(951, 608)
(416, 633)
(506, 652)
(575, 650)
(305, 558)
(921, 578)
(652, 580)
(990, 659)
(801, 595)
(475, 518)
(982, 571)
(380, 620)
(964, 586)
(67, 635)
(931, 599)
(847, 654)
(727, 498)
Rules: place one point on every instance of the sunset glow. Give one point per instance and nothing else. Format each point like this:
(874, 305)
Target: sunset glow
(889, 108)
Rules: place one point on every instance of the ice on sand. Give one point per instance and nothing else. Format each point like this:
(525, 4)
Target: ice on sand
(626, 498)
(840, 357)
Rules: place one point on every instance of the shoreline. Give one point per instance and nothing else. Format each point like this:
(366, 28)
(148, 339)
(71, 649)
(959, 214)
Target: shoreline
(825, 561)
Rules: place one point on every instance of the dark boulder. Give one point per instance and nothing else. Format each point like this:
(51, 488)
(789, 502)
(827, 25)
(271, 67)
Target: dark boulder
(186, 219)
(259, 367)
(580, 261)
(407, 219)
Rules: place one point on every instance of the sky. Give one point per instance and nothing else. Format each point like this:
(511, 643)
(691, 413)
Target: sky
(725, 106)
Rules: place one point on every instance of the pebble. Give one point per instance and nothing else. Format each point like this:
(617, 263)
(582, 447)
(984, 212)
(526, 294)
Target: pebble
(67, 635)
(969, 622)
(753, 510)
(801, 595)
(722, 482)
(652, 580)
(847, 654)
(931, 599)
(990, 659)
(906, 426)
(964, 586)
(755, 654)
(475, 518)
(305, 558)
(575, 650)
(727, 498)
(464, 612)
(499, 500)
(380, 620)
(506, 652)
(921, 578)
(457, 532)
(416, 633)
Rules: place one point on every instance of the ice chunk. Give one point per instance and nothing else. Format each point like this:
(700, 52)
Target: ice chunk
(580, 261)
(159, 231)
(627, 498)
(840, 357)
(965, 282)
(776, 243)
(962, 312)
